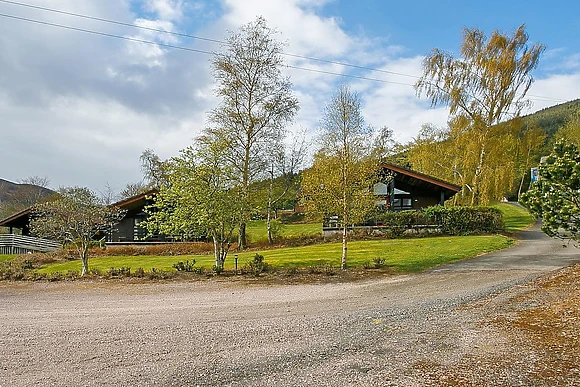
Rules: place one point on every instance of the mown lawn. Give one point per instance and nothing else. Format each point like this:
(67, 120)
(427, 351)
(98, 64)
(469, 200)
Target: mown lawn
(6, 257)
(404, 255)
(256, 230)
(516, 218)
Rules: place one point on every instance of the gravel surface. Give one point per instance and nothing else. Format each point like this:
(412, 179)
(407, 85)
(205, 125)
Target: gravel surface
(434, 328)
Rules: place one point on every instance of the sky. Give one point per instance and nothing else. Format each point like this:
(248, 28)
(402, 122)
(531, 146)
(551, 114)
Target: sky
(79, 108)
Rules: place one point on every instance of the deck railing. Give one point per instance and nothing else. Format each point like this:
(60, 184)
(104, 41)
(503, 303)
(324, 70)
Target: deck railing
(20, 244)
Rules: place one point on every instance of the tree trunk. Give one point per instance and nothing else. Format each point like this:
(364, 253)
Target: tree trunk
(478, 170)
(269, 209)
(269, 228)
(344, 241)
(84, 260)
(219, 251)
(242, 238)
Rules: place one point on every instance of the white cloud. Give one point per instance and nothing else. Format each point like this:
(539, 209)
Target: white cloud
(554, 89)
(166, 9)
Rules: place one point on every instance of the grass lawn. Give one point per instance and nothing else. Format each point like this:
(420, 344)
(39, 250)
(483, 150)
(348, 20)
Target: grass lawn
(404, 255)
(6, 257)
(516, 218)
(256, 230)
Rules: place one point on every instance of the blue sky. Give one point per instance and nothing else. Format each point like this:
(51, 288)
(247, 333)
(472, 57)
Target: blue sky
(79, 108)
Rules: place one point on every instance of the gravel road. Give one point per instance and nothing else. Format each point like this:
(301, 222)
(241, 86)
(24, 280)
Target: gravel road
(383, 332)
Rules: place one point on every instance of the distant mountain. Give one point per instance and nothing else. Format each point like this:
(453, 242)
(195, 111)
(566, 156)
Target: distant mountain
(15, 197)
(7, 188)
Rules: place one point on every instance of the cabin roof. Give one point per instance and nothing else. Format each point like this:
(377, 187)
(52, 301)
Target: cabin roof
(22, 218)
(410, 179)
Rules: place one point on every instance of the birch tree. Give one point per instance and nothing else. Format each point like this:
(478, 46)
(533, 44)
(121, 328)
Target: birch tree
(199, 198)
(256, 105)
(341, 178)
(484, 86)
(76, 216)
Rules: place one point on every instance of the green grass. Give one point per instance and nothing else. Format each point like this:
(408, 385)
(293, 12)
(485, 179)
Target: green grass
(404, 255)
(516, 218)
(6, 257)
(256, 230)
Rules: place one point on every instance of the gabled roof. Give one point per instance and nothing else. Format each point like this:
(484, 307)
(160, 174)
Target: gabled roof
(18, 220)
(421, 181)
(138, 201)
(21, 219)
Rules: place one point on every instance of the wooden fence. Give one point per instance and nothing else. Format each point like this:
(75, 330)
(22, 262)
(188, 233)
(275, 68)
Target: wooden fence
(19, 244)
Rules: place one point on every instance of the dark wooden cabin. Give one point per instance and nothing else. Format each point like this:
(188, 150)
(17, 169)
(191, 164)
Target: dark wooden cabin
(406, 189)
(128, 231)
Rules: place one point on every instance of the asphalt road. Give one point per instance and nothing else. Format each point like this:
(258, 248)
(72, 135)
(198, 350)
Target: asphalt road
(379, 332)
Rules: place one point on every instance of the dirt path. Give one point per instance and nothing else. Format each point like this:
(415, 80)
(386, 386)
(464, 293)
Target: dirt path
(426, 329)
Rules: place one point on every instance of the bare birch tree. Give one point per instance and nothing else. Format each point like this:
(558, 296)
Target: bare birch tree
(256, 105)
(340, 181)
(75, 217)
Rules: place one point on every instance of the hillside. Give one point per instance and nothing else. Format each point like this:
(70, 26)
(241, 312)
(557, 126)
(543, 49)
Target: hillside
(15, 197)
(551, 119)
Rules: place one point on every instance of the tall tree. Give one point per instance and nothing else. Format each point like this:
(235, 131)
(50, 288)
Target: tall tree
(341, 178)
(200, 198)
(256, 105)
(75, 216)
(133, 189)
(555, 197)
(486, 85)
(153, 168)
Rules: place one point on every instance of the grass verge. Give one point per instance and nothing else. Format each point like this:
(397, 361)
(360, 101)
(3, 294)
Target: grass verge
(403, 255)
(4, 257)
(516, 218)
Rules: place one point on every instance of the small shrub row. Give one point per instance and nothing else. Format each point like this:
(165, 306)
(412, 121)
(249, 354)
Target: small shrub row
(325, 269)
(466, 220)
(376, 263)
(255, 267)
(184, 266)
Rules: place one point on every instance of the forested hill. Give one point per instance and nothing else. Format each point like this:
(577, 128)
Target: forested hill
(15, 197)
(554, 117)
(7, 188)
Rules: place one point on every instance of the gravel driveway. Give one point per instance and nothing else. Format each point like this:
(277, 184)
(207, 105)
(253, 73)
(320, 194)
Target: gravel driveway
(395, 330)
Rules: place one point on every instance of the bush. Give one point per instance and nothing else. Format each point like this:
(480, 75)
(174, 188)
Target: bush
(256, 266)
(160, 274)
(120, 272)
(199, 270)
(397, 223)
(217, 270)
(139, 272)
(292, 271)
(466, 220)
(294, 217)
(379, 262)
(184, 266)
